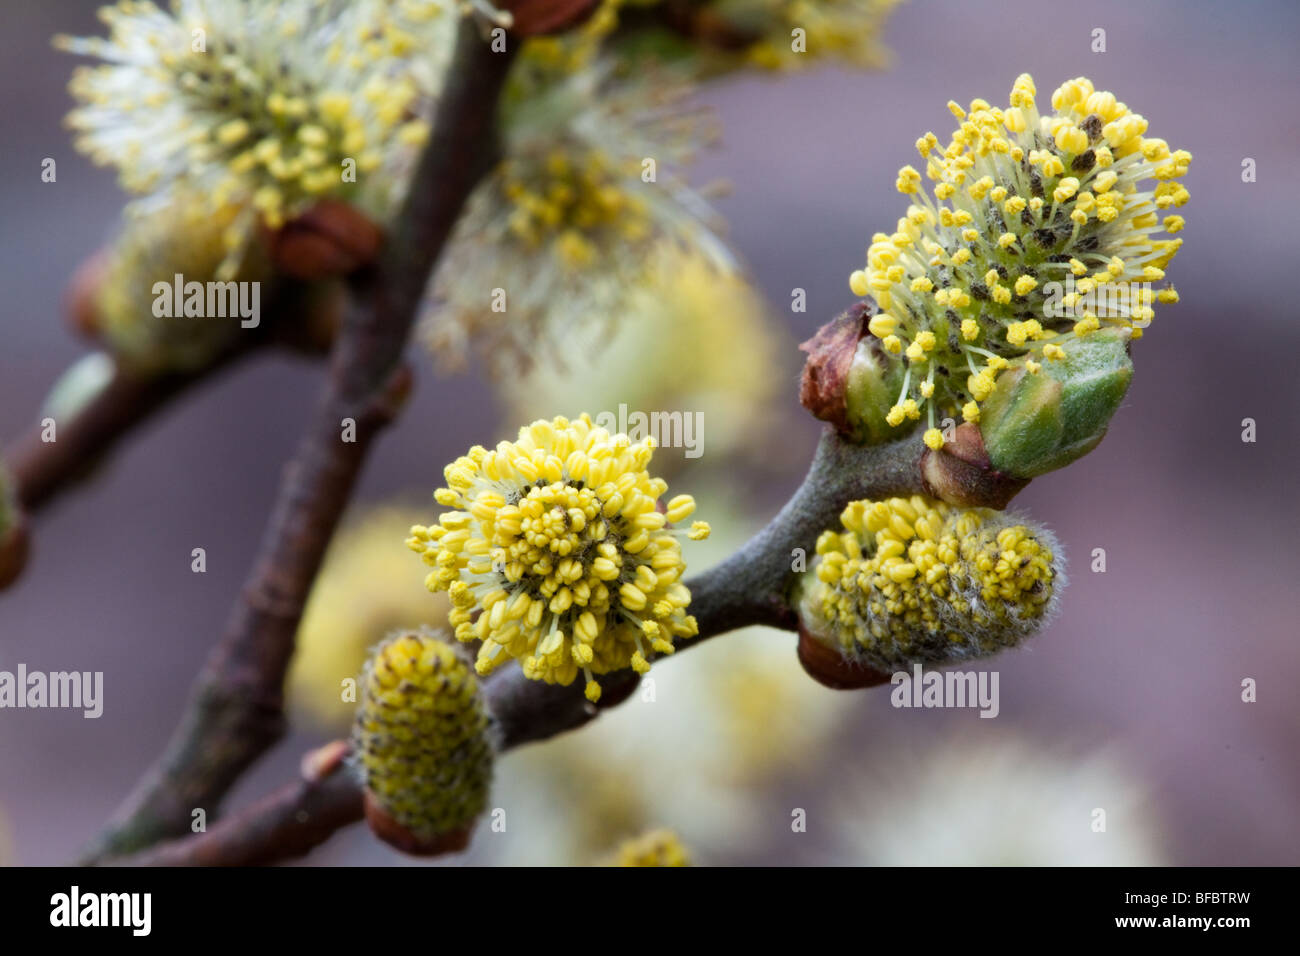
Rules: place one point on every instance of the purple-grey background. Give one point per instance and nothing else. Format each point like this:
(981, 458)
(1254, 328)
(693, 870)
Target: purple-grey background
(1200, 529)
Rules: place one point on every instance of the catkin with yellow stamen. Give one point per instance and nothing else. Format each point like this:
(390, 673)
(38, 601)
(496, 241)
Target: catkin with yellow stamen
(914, 580)
(789, 36)
(270, 105)
(656, 848)
(559, 555)
(590, 187)
(149, 322)
(421, 742)
(1042, 230)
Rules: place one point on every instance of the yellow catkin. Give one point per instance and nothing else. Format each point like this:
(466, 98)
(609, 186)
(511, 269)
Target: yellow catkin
(1023, 205)
(577, 210)
(912, 580)
(795, 36)
(557, 553)
(421, 738)
(271, 105)
(656, 848)
(138, 314)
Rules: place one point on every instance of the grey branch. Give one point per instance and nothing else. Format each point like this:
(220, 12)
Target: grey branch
(748, 588)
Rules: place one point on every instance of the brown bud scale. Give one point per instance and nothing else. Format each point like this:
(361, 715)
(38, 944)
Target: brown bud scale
(831, 668)
(960, 473)
(825, 375)
(400, 838)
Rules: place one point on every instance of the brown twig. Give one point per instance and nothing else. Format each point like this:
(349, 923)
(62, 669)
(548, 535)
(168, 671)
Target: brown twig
(41, 469)
(288, 823)
(237, 710)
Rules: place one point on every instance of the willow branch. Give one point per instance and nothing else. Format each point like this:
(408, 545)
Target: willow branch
(286, 824)
(237, 713)
(748, 588)
(41, 470)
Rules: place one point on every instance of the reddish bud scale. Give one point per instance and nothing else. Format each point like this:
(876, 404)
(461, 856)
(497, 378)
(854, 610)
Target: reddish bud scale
(400, 838)
(960, 473)
(830, 354)
(832, 669)
(332, 238)
(531, 18)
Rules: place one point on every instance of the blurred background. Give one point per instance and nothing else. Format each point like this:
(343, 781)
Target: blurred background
(1130, 701)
